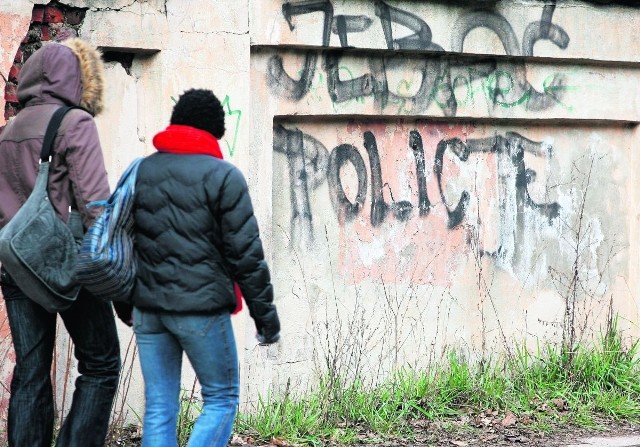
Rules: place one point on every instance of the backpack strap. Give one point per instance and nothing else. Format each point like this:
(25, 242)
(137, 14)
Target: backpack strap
(52, 130)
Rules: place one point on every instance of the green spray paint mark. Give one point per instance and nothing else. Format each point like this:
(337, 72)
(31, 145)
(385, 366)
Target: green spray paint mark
(238, 114)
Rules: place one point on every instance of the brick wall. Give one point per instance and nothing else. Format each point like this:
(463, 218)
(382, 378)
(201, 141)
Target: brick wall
(51, 22)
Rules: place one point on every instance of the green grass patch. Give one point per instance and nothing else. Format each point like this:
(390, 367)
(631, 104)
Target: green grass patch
(545, 385)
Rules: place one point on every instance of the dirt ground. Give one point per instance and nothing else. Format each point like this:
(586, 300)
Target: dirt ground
(479, 431)
(497, 435)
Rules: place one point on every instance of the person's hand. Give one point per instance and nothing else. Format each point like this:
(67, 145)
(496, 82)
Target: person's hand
(264, 341)
(124, 311)
(268, 328)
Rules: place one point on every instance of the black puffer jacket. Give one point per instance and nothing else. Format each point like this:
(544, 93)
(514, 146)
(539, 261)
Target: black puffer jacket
(195, 235)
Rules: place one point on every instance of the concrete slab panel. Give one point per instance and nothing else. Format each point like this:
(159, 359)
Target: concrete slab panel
(571, 30)
(622, 441)
(312, 83)
(138, 29)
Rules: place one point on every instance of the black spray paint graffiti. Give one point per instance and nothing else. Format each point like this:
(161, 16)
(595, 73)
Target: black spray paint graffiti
(310, 164)
(513, 146)
(278, 77)
(505, 87)
(307, 170)
(517, 86)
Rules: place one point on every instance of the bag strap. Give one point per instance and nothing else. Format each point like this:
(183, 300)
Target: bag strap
(52, 130)
(125, 186)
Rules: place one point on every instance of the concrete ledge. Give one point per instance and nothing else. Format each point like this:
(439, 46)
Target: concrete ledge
(621, 441)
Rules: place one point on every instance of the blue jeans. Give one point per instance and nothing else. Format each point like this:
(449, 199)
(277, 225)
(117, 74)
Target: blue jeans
(210, 346)
(91, 326)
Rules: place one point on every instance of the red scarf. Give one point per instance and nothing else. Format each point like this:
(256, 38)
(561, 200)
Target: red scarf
(179, 139)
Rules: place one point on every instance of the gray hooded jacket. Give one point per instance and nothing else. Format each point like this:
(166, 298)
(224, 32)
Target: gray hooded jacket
(69, 73)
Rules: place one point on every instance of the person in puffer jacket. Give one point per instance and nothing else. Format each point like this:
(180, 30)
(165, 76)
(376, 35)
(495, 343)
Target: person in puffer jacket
(68, 73)
(195, 237)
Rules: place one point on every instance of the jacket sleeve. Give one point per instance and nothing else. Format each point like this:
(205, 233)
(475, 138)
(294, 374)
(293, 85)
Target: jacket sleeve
(242, 248)
(85, 161)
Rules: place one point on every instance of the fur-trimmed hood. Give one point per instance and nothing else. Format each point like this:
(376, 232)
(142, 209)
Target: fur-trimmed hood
(71, 72)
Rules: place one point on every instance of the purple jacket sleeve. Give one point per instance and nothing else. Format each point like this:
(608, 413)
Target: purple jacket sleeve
(85, 161)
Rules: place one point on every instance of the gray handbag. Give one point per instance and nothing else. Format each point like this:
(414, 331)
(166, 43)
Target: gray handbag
(37, 248)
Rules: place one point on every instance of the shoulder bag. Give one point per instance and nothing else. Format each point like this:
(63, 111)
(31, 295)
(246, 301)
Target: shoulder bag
(37, 248)
(106, 262)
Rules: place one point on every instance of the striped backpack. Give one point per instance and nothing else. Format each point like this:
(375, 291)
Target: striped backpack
(106, 264)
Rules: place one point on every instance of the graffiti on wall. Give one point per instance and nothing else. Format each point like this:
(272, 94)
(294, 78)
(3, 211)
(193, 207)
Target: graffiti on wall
(438, 79)
(432, 182)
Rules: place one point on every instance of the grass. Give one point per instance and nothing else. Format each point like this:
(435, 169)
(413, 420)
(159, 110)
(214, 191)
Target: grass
(548, 386)
(545, 387)
(189, 409)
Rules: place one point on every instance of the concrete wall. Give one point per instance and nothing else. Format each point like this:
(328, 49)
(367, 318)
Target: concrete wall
(427, 175)
(445, 176)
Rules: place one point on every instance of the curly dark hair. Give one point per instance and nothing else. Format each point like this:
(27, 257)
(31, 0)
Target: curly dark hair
(202, 109)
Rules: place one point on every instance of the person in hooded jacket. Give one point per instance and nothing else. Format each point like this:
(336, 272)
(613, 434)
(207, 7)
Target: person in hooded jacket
(68, 73)
(195, 236)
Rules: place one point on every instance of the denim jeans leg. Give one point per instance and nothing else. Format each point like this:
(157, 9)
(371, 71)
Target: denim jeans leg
(30, 419)
(161, 362)
(211, 348)
(91, 326)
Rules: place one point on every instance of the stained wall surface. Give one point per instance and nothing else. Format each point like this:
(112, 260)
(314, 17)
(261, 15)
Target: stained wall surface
(427, 175)
(445, 176)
